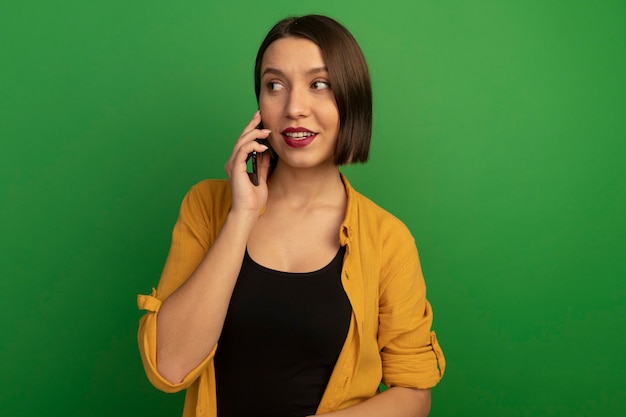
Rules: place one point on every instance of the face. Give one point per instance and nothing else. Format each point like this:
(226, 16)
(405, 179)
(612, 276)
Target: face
(297, 103)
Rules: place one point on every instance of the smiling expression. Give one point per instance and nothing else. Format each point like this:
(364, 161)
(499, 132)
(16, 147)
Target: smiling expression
(297, 103)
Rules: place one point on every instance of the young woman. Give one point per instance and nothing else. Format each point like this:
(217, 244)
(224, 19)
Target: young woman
(296, 296)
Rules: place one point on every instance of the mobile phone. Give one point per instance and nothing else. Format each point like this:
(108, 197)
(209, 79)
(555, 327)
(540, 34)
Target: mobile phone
(255, 173)
(254, 177)
(253, 155)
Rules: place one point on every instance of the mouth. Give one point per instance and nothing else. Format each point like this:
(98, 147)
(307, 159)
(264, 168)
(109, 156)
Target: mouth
(298, 137)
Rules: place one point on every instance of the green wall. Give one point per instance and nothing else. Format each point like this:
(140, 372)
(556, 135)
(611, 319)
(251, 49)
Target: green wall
(499, 139)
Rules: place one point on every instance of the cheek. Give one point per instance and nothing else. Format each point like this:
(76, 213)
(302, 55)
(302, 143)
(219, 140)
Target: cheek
(332, 116)
(268, 113)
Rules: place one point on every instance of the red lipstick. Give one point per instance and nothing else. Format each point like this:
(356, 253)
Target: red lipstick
(298, 137)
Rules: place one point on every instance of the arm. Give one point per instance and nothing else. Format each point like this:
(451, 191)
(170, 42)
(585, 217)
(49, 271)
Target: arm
(410, 353)
(195, 288)
(412, 361)
(394, 402)
(190, 320)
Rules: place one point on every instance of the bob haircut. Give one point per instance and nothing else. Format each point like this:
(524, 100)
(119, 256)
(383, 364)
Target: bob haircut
(349, 79)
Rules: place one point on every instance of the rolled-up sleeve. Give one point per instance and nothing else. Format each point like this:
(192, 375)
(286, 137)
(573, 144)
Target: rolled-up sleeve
(147, 347)
(191, 238)
(410, 353)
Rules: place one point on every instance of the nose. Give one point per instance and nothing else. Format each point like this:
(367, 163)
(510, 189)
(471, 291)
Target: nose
(298, 104)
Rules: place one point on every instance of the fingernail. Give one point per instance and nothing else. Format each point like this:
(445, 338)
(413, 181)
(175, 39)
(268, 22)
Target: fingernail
(265, 147)
(256, 113)
(266, 131)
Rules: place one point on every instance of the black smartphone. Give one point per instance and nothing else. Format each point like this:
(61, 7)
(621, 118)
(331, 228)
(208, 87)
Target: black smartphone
(255, 173)
(254, 177)
(253, 155)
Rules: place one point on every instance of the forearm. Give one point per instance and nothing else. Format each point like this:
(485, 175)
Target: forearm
(190, 320)
(394, 402)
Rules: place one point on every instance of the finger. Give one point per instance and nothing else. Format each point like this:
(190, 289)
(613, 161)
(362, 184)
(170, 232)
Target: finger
(246, 148)
(237, 161)
(247, 144)
(249, 137)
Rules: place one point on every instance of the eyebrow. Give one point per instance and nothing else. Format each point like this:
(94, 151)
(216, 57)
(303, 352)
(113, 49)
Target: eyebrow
(270, 70)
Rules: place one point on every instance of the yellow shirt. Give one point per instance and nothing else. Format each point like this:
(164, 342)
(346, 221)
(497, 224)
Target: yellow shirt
(389, 338)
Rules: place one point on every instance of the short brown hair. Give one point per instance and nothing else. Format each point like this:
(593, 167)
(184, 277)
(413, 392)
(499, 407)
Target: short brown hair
(349, 79)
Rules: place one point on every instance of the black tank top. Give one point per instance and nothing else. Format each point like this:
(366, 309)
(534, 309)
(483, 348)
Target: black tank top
(281, 338)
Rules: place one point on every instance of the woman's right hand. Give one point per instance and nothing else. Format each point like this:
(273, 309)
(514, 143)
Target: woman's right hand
(246, 197)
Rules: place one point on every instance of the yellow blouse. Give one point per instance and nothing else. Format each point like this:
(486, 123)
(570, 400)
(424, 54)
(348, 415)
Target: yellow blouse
(389, 338)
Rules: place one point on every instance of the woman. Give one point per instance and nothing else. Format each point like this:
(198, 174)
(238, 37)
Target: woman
(296, 296)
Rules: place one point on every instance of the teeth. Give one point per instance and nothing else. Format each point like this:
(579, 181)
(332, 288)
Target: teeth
(298, 135)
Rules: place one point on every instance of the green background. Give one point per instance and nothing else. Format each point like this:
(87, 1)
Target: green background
(498, 138)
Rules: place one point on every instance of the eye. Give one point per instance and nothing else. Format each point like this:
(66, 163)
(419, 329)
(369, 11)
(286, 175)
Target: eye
(274, 86)
(320, 85)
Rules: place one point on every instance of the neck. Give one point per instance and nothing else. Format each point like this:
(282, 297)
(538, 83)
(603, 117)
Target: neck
(306, 186)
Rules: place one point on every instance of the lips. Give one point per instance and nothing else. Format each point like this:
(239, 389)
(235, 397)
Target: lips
(298, 137)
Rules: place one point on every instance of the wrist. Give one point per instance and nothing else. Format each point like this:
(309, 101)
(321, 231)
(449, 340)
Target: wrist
(243, 217)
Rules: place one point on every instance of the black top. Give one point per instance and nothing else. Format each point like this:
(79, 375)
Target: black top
(281, 338)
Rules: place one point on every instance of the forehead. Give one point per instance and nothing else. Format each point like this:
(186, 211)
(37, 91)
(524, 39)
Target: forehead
(292, 51)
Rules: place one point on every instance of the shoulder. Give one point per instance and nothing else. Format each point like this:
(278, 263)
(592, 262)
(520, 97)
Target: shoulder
(370, 217)
(210, 188)
(207, 201)
(384, 243)
(210, 192)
